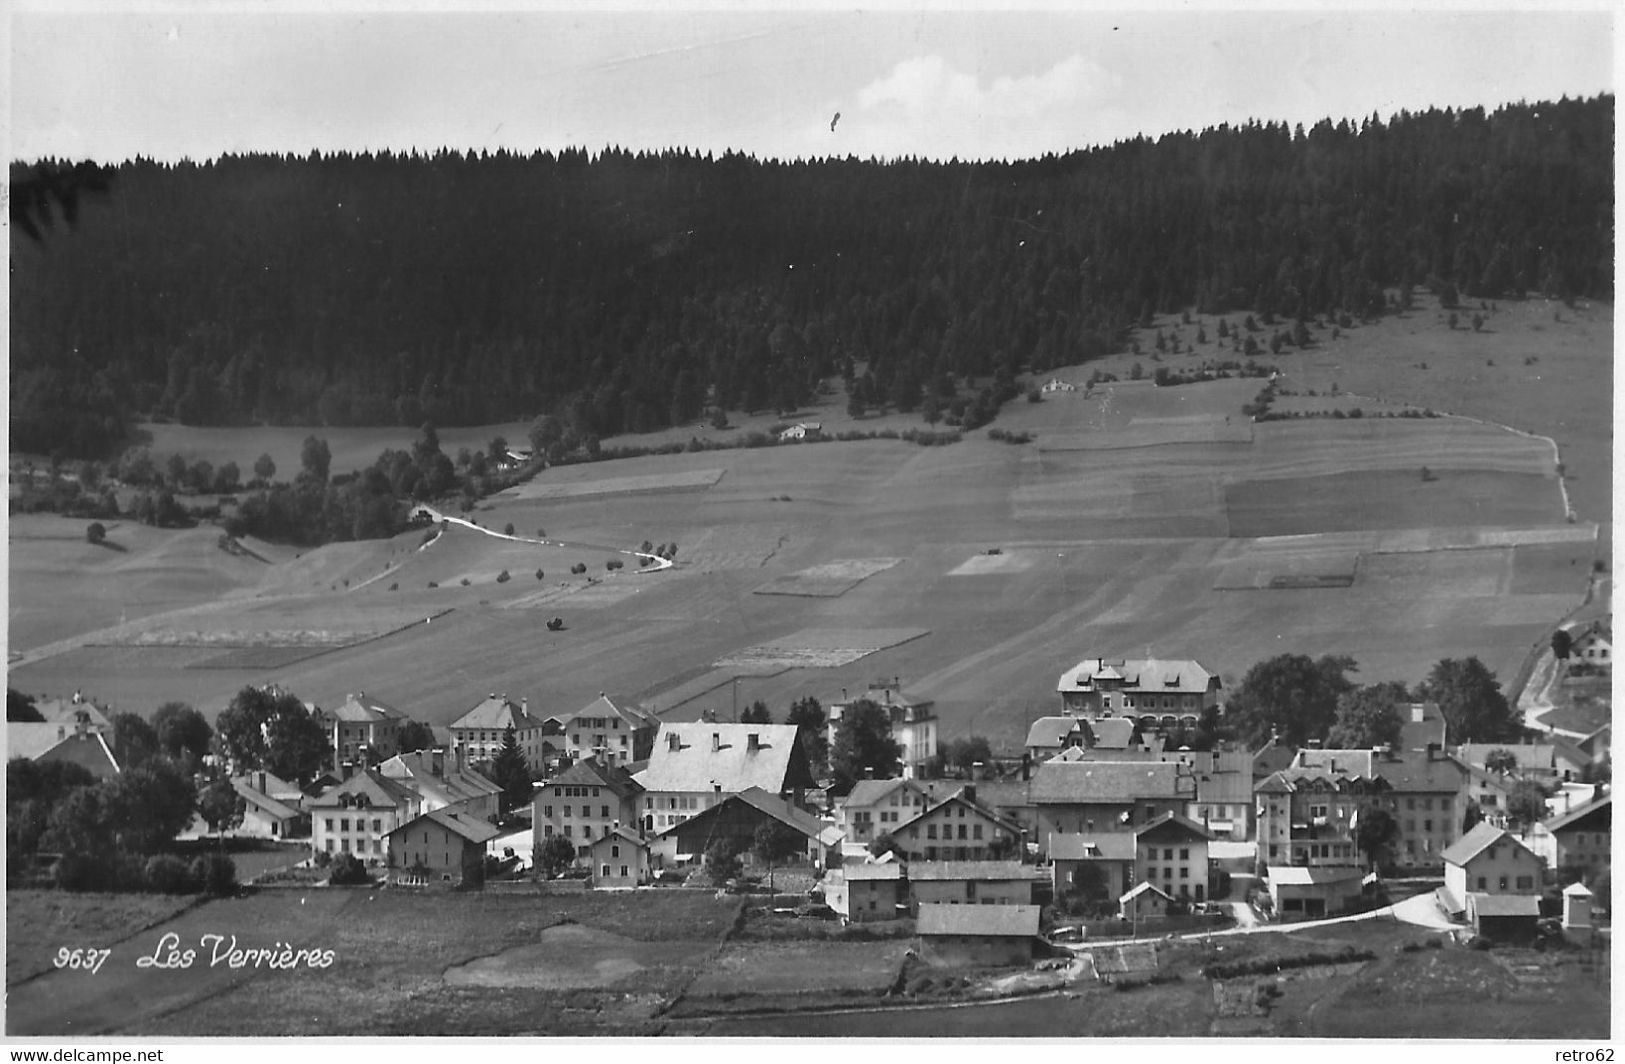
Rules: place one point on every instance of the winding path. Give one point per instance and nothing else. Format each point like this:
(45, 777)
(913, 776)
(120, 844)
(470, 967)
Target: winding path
(651, 563)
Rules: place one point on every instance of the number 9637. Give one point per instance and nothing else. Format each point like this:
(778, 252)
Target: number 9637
(88, 960)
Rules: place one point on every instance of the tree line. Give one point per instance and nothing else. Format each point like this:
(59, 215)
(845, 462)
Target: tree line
(627, 292)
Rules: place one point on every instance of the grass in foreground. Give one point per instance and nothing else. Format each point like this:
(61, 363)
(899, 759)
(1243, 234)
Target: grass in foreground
(38, 922)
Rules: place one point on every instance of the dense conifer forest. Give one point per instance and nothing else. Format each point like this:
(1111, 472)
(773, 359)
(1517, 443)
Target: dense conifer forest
(626, 292)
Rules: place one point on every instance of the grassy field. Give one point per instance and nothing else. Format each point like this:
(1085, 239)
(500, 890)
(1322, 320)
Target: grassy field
(381, 980)
(38, 922)
(1140, 520)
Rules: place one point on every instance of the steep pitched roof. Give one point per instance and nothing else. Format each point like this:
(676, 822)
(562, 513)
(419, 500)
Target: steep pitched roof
(1053, 731)
(959, 798)
(475, 831)
(1299, 876)
(1102, 846)
(632, 717)
(1229, 781)
(1271, 757)
(982, 871)
(1172, 823)
(495, 712)
(866, 793)
(1349, 762)
(1403, 770)
(1603, 803)
(68, 711)
(450, 787)
(48, 741)
(991, 921)
(1139, 675)
(1480, 838)
(625, 834)
(590, 773)
(378, 789)
(280, 810)
(1421, 723)
(1146, 888)
(1104, 781)
(769, 804)
(697, 756)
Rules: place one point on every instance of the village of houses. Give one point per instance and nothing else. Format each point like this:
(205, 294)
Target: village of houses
(1096, 807)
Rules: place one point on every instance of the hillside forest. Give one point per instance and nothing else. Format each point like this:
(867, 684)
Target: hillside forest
(628, 292)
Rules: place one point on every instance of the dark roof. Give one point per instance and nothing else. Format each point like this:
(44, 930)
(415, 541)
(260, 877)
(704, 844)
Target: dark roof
(868, 792)
(625, 834)
(958, 797)
(1602, 804)
(1139, 675)
(1271, 757)
(932, 871)
(1004, 794)
(379, 789)
(1229, 781)
(1494, 905)
(1104, 781)
(1053, 731)
(1172, 823)
(590, 773)
(768, 804)
(1112, 733)
(1480, 838)
(993, 921)
(475, 831)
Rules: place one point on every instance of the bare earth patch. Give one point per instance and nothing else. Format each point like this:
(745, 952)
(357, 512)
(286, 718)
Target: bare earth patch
(828, 580)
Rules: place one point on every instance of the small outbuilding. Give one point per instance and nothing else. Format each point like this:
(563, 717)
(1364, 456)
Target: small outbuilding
(982, 935)
(1504, 917)
(620, 858)
(1311, 893)
(1143, 902)
(862, 893)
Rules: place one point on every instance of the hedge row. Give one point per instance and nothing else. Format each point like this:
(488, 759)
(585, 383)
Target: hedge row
(162, 873)
(1271, 965)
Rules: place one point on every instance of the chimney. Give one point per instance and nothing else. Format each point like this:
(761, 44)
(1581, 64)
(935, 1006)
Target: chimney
(716, 789)
(753, 743)
(437, 763)
(346, 770)
(1026, 767)
(716, 741)
(1433, 751)
(975, 771)
(262, 787)
(969, 792)
(673, 741)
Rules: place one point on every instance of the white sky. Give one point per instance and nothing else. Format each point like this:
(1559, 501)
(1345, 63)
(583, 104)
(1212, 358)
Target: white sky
(101, 82)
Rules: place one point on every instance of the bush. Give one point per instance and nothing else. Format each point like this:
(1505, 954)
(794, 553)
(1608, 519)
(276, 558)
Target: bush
(95, 532)
(507, 529)
(433, 583)
(77, 871)
(348, 871)
(215, 874)
(465, 581)
(168, 874)
(613, 564)
(539, 574)
(503, 577)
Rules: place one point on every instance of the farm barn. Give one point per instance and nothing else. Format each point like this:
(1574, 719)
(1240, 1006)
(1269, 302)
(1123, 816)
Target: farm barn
(983, 935)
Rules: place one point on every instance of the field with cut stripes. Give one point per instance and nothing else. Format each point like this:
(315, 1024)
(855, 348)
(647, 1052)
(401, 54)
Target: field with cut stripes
(1139, 520)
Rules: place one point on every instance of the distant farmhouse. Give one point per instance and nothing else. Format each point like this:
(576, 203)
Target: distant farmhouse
(803, 430)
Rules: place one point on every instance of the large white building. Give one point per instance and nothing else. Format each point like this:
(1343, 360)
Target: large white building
(913, 724)
(1157, 693)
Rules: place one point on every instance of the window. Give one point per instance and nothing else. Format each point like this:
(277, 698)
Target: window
(1168, 854)
(1151, 872)
(567, 831)
(623, 867)
(605, 872)
(1410, 803)
(547, 829)
(930, 831)
(1185, 854)
(1526, 882)
(586, 831)
(1167, 873)
(1501, 884)
(329, 823)
(962, 833)
(567, 812)
(377, 825)
(547, 811)
(1184, 872)
(344, 824)
(605, 813)
(1427, 824)
(976, 831)
(1273, 849)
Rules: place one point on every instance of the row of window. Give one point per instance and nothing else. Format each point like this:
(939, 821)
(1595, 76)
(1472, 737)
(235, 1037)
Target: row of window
(947, 831)
(673, 802)
(360, 825)
(1150, 853)
(1150, 701)
(586, 811)
(1167, 873)
(1524, 883)
(360, 846)
(574, 792)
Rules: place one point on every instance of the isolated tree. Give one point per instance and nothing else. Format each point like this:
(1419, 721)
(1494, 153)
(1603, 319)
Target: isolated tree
(722, 861)
(511, 772)
(554, 854)
(1292, 693)
(756, 713)
(1470, 698)
(812, 725)
(1501, 761)
(264, 468)
(863, 744)
(414, 736)
(134, 740)
(1368, 716)
(220, 806)
(1375, 835)
(962, 754)
(227, 478)
(1526, 803)
(774, 842)
(315, 459)
(20, 707)
(182, 731)
(1562, 644)
(95, 532)
(267, 728)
